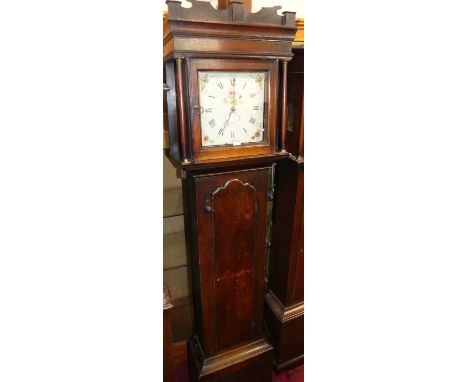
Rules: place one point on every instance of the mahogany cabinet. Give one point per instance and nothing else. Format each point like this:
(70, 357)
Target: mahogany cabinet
(284, 302)
(227, 242)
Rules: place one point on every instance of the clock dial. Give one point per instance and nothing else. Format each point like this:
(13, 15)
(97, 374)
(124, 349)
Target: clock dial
(231, 107)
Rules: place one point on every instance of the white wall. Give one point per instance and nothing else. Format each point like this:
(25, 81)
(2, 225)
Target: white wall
(288, 5)
(213, 2)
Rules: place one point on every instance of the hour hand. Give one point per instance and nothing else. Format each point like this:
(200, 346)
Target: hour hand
(229, 117)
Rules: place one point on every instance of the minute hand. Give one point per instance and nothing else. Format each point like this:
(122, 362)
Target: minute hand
(230, 113)
(225, 124)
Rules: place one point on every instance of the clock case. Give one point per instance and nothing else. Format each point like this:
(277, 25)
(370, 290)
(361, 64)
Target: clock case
(204, 38)
(225, 188)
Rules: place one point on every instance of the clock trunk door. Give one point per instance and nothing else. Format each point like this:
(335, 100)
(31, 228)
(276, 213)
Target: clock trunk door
(231, 217)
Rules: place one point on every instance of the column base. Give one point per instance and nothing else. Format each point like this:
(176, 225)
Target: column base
(285, 329)
(249, 362)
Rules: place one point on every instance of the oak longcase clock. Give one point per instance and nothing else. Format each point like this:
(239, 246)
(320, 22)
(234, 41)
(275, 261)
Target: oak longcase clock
(226, 73)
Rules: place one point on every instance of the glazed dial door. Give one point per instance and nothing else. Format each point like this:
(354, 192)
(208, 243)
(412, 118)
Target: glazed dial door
(232, 107)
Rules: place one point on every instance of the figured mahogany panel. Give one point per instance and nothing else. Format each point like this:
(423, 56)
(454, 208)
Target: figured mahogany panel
(286, 273)
(231, 229)
(234, 213)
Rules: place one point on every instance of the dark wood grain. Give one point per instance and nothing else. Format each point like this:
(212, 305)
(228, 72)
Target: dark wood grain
(284, 94)
(179, 349)
(181, 108)
(286, 275)
(284, 302)
(231, 250)
(229, 209)
(252, 360)
(172, 115)
(286, 334)
(295, 123)
(287, 231)
(225, 164)
(255, 48)
(203, 30)
(234, 208)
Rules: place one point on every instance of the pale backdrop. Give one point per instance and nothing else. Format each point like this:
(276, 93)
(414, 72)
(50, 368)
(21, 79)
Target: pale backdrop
(288, 5)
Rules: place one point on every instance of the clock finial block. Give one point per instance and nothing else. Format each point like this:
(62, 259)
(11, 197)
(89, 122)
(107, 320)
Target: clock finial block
(234, 13)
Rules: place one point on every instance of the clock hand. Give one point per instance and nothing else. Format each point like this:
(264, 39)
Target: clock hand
(230, 113)
(221, 132)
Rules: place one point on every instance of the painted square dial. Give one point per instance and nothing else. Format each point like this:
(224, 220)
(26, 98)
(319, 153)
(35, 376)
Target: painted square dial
(231, 107)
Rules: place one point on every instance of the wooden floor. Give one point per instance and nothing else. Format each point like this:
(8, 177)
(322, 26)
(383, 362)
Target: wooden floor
(293, 375)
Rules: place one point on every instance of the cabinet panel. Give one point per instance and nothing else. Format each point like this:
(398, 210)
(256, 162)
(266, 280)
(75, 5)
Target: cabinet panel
(284, 314)
(295, 124)
(234, 207)
(298, 295)
(231, 217)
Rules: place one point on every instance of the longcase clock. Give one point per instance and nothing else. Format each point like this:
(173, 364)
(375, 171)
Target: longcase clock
(226, 73)
(284, 301)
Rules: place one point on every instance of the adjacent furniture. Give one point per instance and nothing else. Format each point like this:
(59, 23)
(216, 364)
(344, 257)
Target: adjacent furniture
(284, 302)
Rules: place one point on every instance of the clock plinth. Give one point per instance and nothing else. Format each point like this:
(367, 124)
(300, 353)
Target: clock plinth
(226, 103)
(250, 362)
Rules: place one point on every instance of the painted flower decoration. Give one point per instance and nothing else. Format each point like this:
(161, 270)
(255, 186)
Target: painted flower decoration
(204, 81)
(259, 81)
(231, 97)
